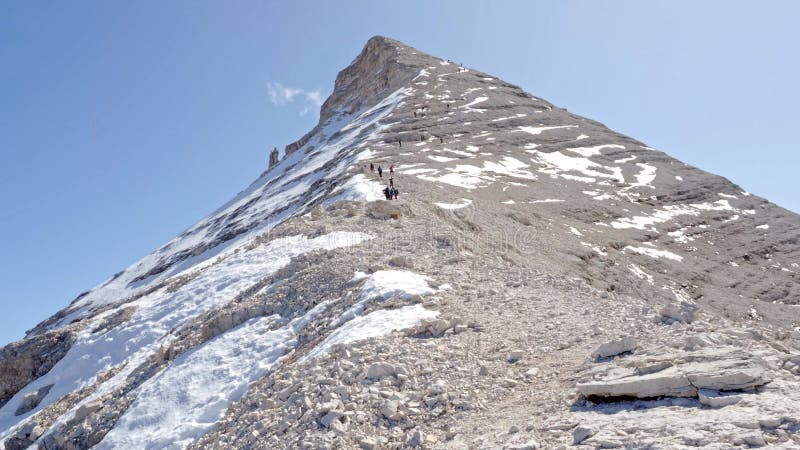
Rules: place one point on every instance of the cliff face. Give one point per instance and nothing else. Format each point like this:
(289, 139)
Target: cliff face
(540, 281)
(382, 67)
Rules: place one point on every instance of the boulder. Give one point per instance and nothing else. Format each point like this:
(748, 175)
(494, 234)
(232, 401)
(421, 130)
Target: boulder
(86, 409)
(529, 445)
(389, 409)
(417, 439)
(667, 383)
(615, 347)
(402, 261)
(368, 443)
(717, 399)
(381, 370)
(384, 210)
(331, 417)
(32, 399)
(724, 378)
(533, 372)
(683, 312)
(679, 374)
(515, 356)
(754, 440)
(580, 434)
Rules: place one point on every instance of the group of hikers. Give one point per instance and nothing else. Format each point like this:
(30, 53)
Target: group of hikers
(390, 192)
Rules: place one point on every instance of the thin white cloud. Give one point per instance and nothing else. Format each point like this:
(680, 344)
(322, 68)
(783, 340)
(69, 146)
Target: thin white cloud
(281, 95)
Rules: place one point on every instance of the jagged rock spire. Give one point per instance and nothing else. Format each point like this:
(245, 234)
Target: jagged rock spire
(273, 157)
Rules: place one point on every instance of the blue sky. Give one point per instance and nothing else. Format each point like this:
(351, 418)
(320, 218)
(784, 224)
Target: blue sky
(122, 123)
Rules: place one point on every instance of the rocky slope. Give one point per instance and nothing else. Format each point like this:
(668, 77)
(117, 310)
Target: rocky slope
(541, 282)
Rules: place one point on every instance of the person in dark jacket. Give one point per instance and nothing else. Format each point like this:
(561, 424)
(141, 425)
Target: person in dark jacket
(371, 167)
(380, 171)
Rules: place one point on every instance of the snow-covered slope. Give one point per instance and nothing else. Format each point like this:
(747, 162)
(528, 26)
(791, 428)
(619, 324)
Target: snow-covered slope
(535, 263)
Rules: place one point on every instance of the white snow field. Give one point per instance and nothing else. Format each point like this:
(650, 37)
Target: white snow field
(180, 404)
(160, 312)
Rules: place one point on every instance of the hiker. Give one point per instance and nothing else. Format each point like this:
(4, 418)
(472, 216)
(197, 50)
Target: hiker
(441, 140)
(400, 141)
(371, 167)
(391, 182)
(391, 170)
(395, 193)
(386, 193)
(415, 114)
(448, 106)
(380, 171)
(421, 137)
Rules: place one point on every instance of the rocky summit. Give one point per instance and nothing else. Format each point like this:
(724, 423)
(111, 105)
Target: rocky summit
(539, 282)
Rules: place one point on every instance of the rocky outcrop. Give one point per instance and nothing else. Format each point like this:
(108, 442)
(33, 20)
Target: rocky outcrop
(382, 67)
(32, 400)
(273, 157)
(295, 146)
(676, 374)
(615, 347)
(24, 361)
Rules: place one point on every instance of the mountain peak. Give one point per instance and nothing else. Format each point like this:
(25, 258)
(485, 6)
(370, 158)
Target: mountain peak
(383, 66)
(541, 269)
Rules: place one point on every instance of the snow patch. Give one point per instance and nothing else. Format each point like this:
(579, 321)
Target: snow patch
(539, 130)
(654, 253)
(640, 273)
(465, 202)
(593, 151)
(668, 213)
(375, 324)
(556, 163)
(357, 188)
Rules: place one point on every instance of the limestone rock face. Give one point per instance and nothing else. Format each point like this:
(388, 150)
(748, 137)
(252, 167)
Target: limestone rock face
(27, 360)
(541, 281)
(382, 67)
(683, 375)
